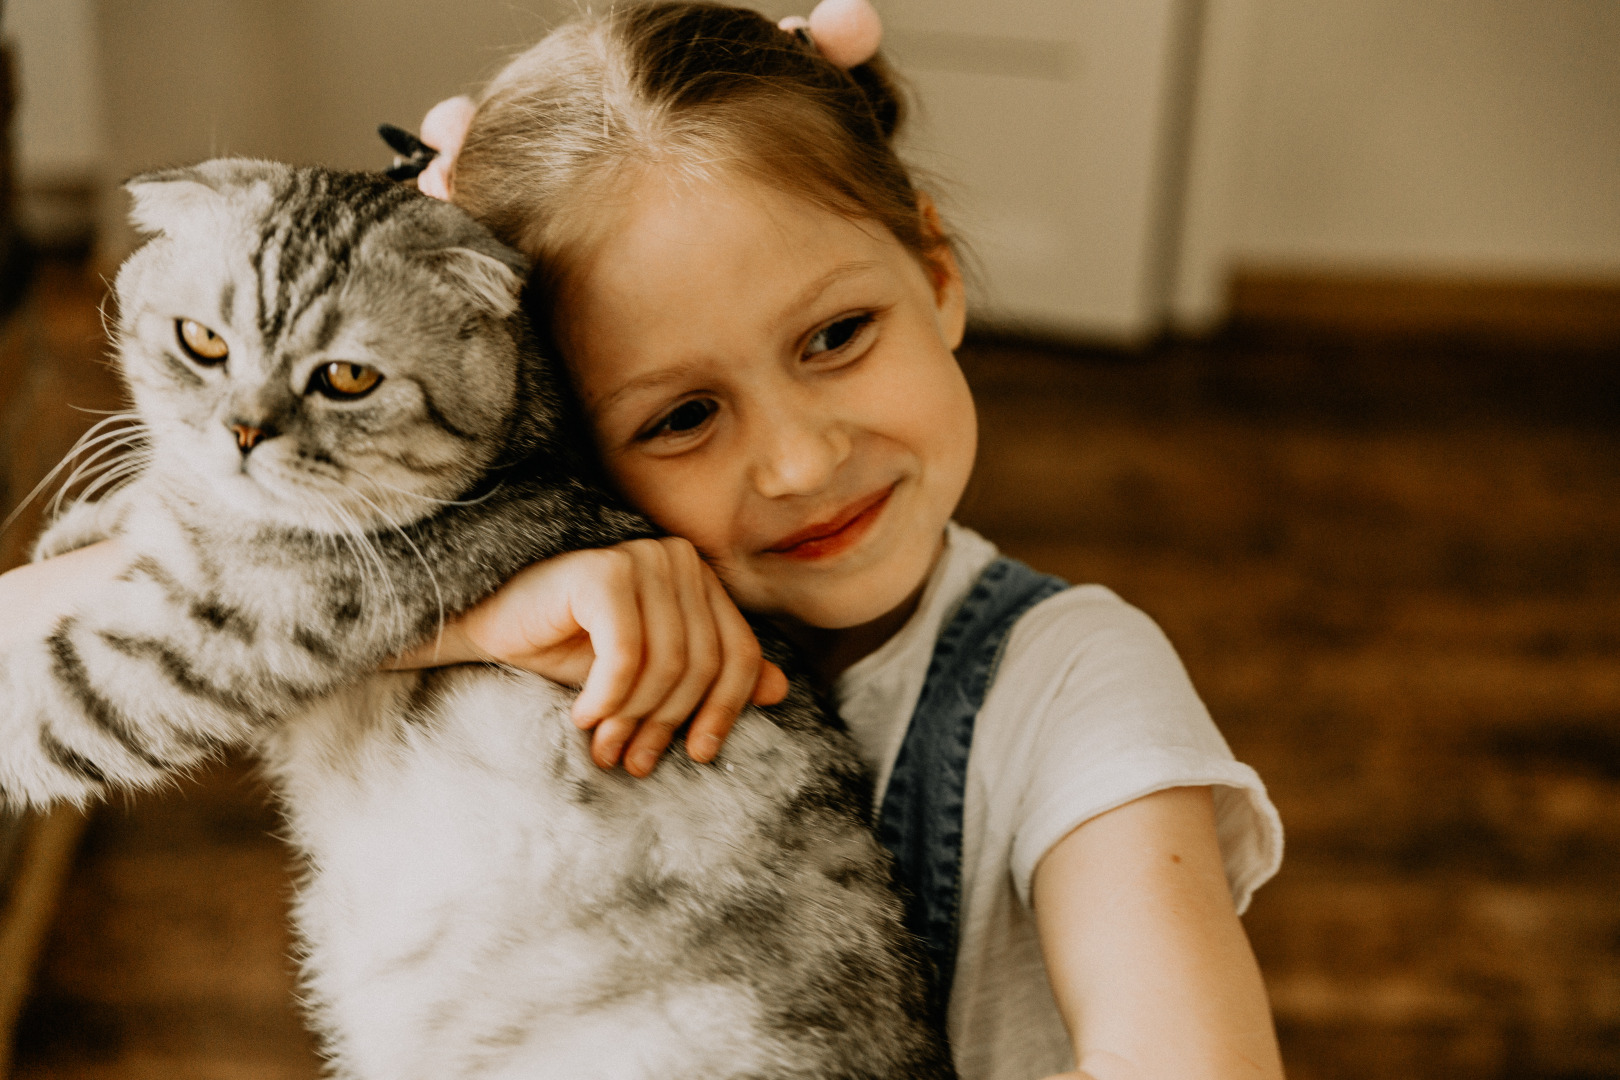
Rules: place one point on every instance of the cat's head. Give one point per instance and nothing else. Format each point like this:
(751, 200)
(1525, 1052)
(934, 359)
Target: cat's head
(318, 349)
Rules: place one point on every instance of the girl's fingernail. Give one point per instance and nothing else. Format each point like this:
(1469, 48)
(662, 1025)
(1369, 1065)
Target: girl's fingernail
(705, 747)
(641, 763)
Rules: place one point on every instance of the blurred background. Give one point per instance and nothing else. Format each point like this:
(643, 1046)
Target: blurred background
(1296, 323)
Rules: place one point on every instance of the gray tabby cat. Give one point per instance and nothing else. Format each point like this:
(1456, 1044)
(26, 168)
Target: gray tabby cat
(349, 435)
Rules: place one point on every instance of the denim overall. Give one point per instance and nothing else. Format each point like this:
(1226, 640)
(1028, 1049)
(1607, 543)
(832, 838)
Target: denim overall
(920, 821)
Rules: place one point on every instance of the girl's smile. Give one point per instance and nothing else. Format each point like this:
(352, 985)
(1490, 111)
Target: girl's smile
(834, 537)
(802, 421)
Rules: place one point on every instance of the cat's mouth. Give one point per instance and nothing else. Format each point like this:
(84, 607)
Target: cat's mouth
(308, 492)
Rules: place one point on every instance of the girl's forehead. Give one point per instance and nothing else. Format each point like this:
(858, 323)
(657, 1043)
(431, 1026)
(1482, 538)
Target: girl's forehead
(685, 262)
(717, 221)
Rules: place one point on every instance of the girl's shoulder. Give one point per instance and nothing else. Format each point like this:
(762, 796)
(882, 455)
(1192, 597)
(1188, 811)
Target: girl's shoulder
(1079, 627)
(1091, 708)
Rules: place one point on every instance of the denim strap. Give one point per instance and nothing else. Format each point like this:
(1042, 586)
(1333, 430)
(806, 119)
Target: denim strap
(920, 821)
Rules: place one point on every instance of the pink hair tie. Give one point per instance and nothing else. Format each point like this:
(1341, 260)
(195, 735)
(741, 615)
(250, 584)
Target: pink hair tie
(444, 128)
(846, 32)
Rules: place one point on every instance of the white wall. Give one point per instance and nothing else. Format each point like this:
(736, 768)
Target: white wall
(297, 80)
(1460, 138)
(356, 63)
(1049, 123)
(58, 131)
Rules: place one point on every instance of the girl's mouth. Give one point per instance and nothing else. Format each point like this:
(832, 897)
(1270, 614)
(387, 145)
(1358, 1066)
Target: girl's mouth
(838, 535)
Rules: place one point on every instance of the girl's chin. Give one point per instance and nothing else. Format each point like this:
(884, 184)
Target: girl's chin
(837, 605)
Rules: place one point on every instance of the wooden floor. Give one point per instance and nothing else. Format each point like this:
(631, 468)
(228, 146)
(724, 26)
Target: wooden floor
(1393, 569)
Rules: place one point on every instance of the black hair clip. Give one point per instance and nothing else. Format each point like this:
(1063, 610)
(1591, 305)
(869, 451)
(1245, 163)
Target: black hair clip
(411, 155)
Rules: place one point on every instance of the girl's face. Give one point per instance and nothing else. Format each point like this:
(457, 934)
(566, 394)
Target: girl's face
(775, 383)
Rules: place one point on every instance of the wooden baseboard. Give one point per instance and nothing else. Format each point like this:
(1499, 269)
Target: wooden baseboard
(1551, 312)
(28, 908)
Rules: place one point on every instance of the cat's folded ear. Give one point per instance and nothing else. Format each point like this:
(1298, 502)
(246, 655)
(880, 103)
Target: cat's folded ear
(167, 199)
(493, 283)
(162, 200)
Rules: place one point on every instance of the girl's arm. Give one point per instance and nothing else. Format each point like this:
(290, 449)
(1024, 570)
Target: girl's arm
(644, 627)
(35, 596)
(1149, 964)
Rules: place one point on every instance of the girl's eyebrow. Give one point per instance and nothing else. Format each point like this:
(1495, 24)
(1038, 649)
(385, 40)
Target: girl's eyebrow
(812, 292)
(651, 380)
(677, 372)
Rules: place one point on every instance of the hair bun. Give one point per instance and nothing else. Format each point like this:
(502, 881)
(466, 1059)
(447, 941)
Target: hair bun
(845, 32)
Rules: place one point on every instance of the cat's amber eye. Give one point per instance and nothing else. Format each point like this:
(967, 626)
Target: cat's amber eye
(342, 379)
(200, 343)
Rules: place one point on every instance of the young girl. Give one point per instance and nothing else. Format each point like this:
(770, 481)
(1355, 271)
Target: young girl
(759, 311)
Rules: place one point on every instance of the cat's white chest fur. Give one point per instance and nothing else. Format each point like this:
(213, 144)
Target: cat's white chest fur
(468, 864)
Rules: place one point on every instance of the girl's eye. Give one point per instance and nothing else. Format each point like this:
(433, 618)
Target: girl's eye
(685, 417)
(836, 335)
(200, 343)
(343, 381)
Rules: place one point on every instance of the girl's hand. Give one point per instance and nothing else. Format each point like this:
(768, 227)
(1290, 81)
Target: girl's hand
(35, 596)
(644, 627)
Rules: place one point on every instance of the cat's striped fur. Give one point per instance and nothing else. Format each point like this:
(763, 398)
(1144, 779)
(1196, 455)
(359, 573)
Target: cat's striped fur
(481, 900)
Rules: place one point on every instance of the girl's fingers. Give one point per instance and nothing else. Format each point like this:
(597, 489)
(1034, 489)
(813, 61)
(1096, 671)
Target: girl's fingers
(665, 644)
(702, 660)
(609, 739)
(663, 632)
(739, 675)
(772, 686)
(607, 606)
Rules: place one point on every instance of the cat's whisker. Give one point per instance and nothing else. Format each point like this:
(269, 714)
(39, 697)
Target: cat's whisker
(114, 478)
(109, 326)
(134, 417)
(371, 539)
(363, 559)
(346, 536)
(438, 594)
(110, 454)
(369, 557)
(101, 433)
(368, 478)
(86, 472)
(90, 438)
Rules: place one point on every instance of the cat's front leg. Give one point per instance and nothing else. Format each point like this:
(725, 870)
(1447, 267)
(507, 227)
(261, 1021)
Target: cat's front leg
(120, 684)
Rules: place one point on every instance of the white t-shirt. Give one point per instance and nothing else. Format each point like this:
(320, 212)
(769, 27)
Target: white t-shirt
(1090, 709)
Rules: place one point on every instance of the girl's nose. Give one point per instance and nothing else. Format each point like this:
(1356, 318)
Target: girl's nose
(799, 450)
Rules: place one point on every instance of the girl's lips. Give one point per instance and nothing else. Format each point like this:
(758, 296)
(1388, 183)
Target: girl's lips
(840, 534)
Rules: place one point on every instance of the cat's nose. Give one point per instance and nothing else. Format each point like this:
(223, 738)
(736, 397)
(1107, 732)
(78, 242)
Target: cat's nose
(247, 436)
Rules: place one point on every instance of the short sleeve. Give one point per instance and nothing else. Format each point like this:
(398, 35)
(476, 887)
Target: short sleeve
(1091, 709)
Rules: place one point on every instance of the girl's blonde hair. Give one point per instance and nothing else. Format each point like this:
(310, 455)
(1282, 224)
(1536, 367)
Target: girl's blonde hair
(698, 88)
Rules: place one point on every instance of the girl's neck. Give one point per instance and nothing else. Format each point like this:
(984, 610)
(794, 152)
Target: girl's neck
(831, 652)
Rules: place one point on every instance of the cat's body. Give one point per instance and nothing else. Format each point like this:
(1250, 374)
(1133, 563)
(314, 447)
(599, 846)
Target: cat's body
(481, 900)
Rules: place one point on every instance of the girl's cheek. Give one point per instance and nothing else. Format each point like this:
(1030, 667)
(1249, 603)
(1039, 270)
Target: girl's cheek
(682, 498)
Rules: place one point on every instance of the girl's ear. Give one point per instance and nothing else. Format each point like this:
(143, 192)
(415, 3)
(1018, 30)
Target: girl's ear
(950, 295)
